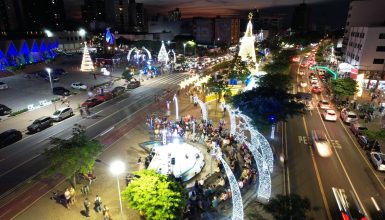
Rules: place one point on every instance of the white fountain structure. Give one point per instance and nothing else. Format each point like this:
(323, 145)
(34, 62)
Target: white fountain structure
(163, 55)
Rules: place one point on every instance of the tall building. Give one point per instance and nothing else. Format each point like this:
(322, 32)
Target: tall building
(227, 30)
(93, 10)
(141, 18)
(300, 21)
(366, 49)
(174, 15)
(117, 15)
(363, 13)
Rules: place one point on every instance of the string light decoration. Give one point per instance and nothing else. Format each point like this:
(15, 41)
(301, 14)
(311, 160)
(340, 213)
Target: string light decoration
(87, 64)
(203, 107)
(236, 197)
(258, 146)
(163, 55)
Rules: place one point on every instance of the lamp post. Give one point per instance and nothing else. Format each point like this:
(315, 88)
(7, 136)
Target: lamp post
(117, 168)
(184, 49)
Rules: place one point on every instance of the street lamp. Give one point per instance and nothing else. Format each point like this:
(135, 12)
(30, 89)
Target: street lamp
(50, 78)
(48, 33)
(117, 167)
(184, 49)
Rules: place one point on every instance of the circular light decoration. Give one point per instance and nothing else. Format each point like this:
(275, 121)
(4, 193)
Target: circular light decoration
(110, 38)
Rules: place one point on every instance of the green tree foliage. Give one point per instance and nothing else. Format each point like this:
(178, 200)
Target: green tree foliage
(344, 87)
(284, 207)
(239, 69)
(377, 135)
(127, 75)
(218, 85)
(76, 154)
(269, 102)
(156, 195)
(280, 63)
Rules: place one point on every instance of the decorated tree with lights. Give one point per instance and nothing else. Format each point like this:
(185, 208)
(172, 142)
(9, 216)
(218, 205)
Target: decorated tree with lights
(163, 55)
(87, 64)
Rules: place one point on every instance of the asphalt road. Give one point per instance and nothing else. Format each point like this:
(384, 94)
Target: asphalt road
(23, 160)
(348, 168)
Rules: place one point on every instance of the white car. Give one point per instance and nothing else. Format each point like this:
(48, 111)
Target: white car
(324, 104)
(321, 143)
(301, 73)
(78, 85)
(3, 86)
(303, 84)
(348, 116)
(378, 160)
(62, 113)
(329, 115)
(313, 80)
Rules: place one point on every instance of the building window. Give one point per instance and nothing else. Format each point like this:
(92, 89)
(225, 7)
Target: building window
(378, 61)
(352, 34)
(380, 48)
(356, 34)
(357, 58)
(382, 36)
(359, 46)
(362, 35)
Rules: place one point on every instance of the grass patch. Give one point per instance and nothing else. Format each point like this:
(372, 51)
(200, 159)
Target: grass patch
(18, 112)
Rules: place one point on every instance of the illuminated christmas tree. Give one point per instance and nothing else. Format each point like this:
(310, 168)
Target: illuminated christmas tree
(163, 55)
(247, 50)
(87, 64)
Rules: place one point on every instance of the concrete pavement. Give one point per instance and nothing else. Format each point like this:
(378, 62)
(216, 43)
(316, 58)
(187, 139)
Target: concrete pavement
(127, 149)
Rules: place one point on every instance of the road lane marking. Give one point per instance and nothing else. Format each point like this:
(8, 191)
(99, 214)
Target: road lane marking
(287, 157)
(342, 165)
(375, 204)
(283, 165)
(318, 175)
(359, 151)
(106, 131)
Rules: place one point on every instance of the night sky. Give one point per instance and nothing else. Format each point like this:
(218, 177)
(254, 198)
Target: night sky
(210, 8)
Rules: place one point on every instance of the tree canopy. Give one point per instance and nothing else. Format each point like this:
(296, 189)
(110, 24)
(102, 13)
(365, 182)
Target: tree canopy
(156, 195)
(378, 135)
(76, 154)
(284, 207)
(269, 102)
(344, 87)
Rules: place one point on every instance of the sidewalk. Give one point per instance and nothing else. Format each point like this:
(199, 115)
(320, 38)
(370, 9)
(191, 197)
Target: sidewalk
(121, 145)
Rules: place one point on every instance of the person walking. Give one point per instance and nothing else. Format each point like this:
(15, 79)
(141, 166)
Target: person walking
(98, 204)
(87, 207)
(94, 76)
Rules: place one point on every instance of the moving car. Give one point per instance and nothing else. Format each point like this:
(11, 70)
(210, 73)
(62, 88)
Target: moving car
(62, 113)
(378, 160)
(118, 91)
(134, 83)
(60, 91)
(357, 128)
(78, 85)
(3, 86)
(348, 206)
(324, 104)
(4, 110)
(321, 143)
(43, 74)
(314, 80)
(104, 97)
(329, 115)
(303, 84)
(301, 73)
(91, 102)
(9, 137)
(40, 124)
(348, 116)
(316, 89)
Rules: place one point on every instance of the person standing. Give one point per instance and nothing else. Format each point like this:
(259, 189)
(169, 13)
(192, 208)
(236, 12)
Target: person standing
(67, 196)
(87, 207)
(98, 203)
(106, 213)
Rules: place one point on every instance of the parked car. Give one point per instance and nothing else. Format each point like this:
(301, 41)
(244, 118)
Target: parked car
(378, 160)
(40, 124)
(60, 91)
(118, 91)
(45, 76)
(133, 84)
(104, 97)
(9, 137)
(329, 115)
(3, 86)
(314, 80)
(357, 128)
(4, 110)
(348, 116)
(78, 85)
(321, 143)
(324, 104)
(301, 73)
(91, 102)
(362, 141)
(62, 113)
